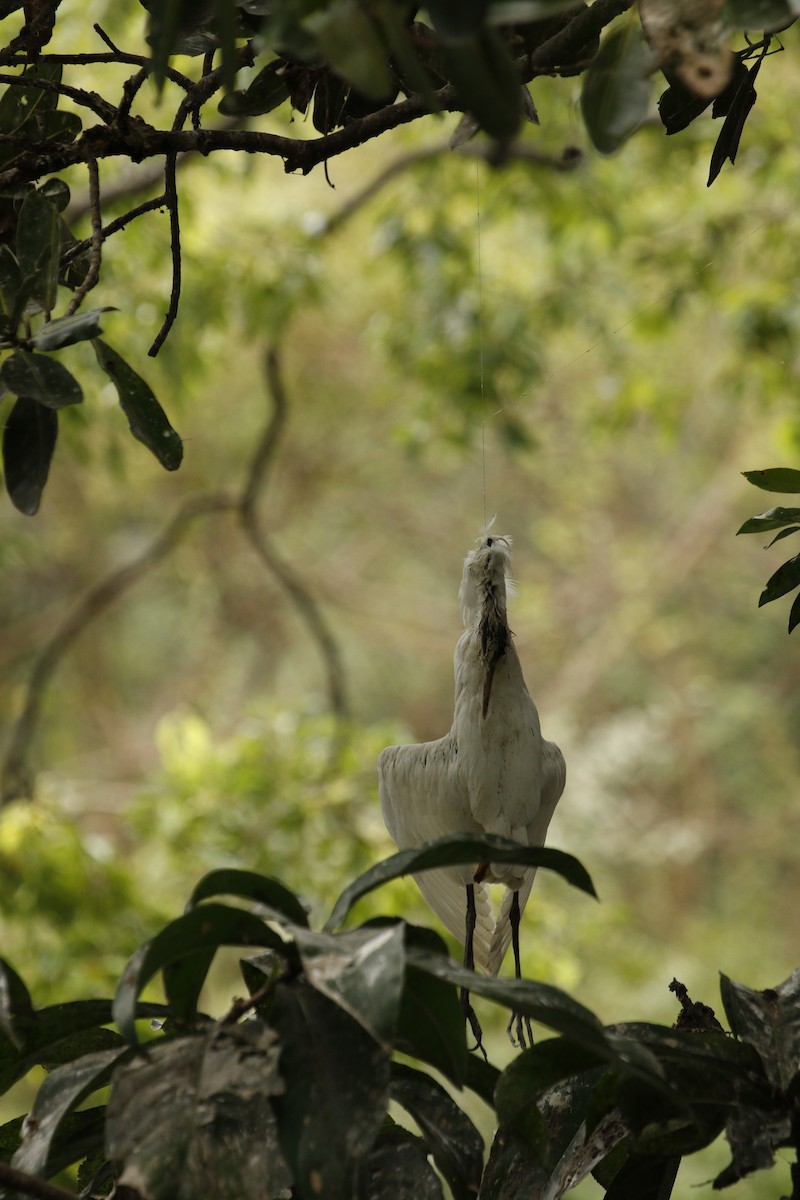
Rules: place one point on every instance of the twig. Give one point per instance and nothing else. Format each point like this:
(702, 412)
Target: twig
(93, 270)
(100, 107)
(30, 1185)
(171, 199)
(301, 597)
(114, 227)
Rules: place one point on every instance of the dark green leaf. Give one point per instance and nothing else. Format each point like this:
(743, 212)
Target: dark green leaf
(645, 1178)
(785, 579)
(775, 479)
(189, 938)
(330, 98)
(727, 98)
(29, 439)
(24, 104)
(40, 378)
(229, 881)
(10, 285)
(266, 91)
(57, 192)
(147, 420)
(61, 1092)
(483, 73)
(65, 331)
(225, 28)
(730, 135)
(616, 87)
(456, 850)
(362, 971)
(191, 1117)
(539, 1001)
(769, 1021)
(455, 1143)
(784, 533)
(773, 518)
(481, 1078)
(15, 1002)
(521, 12)
(350, 41)
(431, 1025)
(337, 1091)
(529, 1077)
(397, 1168)
(766, 15)
(678, 107)
(61, 127)
(38, 244)
(10, 1137)
(794, 614)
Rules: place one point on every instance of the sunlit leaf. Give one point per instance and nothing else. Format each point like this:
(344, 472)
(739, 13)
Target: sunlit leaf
(147, 420)
(616, 87)
(40, 378)
(29, 439)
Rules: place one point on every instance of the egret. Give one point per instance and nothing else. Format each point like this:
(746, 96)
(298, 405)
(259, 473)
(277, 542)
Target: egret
(493, 773)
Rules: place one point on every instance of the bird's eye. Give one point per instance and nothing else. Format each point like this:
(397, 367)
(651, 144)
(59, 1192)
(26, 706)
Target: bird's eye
(489, 541)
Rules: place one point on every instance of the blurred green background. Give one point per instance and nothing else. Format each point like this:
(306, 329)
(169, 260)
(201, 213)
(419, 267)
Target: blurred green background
(627, 348)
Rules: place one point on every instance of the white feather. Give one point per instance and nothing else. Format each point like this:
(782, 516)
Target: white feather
(492, 773)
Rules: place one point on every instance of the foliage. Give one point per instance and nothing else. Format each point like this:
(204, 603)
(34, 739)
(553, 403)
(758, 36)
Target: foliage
(787, 576)
(290, 1087)
(363, 70)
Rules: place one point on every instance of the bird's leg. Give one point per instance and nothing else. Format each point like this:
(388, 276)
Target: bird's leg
(469, 963)
(519, 1027)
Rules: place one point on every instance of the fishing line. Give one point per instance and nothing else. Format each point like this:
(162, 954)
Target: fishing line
(480, 326)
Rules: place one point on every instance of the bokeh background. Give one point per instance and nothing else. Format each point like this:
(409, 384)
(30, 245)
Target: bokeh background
(594, 355)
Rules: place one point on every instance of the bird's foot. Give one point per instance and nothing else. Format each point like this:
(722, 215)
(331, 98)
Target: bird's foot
(519, 1031)
(472, 1020)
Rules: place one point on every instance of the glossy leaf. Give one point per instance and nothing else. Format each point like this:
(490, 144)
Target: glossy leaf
(192, 1117)
(785, 579)
(332, 1111)
(249, 885)
(770, 1021)
(362, 971)
(65, 331)
(456, 850)
(773, 518)
(29, 439)
(455, 1143)
(59, 1094)
(147, 420)
(616, 87)
(191, 939)
(38, 244)
(775, 479)
(40, 378)
(264, 93)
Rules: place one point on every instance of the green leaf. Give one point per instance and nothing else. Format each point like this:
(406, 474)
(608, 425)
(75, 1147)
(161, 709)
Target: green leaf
(38, 244)
(65, 331)
(362, 971)
(61, 1092)
(483, 73)
(191, 940)
(785, 579)
(225, 27)
(769, 1021)
(334, 1105)
(521, 12)
(539, 1001)
(29, 439)
(430, 1025)
(775, 479)
(455, 1143)
(456, 850)
(147, 420)
(266, 91)
(10, 286)
(481, 1078)
(15, 1002)
(57, 192)
(645, 1178)
(347, 37)
(397, 1168)
(192, 1117)
(738, 110)
(21, 105)
(616, 87)
(794, 614)
(784, 533)
(248, 885)
(40, 378)
(761, 15)
(773, 518)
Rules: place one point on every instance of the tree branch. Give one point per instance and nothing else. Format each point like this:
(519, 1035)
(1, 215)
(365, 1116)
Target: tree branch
(171, 199)
(30, 1185)
(93, 270)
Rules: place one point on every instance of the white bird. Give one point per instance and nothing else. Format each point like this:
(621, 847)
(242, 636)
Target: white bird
(493, 773)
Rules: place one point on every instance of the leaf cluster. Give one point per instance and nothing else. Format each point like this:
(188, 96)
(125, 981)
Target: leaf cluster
(290, 1088)
(787, 522)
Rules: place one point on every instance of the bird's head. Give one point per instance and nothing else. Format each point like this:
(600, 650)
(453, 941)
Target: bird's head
(486, 571)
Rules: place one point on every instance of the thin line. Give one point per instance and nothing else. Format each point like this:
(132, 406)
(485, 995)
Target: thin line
(480, 325)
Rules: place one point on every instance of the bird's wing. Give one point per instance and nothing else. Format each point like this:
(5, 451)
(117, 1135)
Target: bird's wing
(448, 899)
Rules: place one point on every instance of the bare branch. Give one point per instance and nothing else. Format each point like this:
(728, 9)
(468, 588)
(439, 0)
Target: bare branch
(30, 1185)
(100, 107)
(171, 199)
(115, 226)
(93, 271)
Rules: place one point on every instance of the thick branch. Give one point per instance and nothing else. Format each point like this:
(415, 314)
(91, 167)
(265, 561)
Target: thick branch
(30, 1185)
